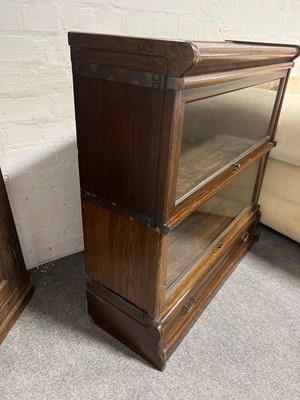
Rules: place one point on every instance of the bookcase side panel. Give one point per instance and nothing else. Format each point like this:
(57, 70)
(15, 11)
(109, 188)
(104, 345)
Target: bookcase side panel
(122, 255)
(118, 137)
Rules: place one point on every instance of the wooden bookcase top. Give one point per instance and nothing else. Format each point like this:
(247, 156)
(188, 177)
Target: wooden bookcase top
(177, 58)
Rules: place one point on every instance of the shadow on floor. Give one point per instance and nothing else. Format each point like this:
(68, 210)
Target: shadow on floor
(60, 298)
(275, 249)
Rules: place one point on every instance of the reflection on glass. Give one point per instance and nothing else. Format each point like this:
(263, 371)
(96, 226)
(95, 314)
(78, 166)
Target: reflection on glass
(191, 237)
(219, 129)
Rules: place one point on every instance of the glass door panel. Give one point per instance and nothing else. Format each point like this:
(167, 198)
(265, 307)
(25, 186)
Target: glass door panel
(188, 240)
(218, 130)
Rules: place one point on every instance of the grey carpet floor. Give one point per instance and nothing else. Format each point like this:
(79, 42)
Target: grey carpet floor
(246, 345)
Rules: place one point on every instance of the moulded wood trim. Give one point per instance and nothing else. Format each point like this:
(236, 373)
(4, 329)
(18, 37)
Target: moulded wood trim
(183, 209)
(188, 57)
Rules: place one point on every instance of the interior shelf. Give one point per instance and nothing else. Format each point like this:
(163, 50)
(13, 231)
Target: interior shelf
(199, 161)
(189, 239)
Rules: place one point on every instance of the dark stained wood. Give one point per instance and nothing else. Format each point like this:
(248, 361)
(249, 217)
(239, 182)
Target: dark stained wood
(118, 301)
(16, 286)
(122, 255)
(206, 90)
(10, 250)
(258, 73)
(242, 59)
(153, 263)
(154, 340)
(169, 153)
(156, 49)
(143, 340)
(16, 301)
(116, 208)
(142, 62)
(145, 78)
(183, 209)
(118, 135)
(187, 57)
(121, 75)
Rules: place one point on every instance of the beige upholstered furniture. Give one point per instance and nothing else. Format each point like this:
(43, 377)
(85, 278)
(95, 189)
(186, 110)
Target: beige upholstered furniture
(280, 195)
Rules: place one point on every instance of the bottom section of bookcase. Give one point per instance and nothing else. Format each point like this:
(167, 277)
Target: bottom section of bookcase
(156, 339)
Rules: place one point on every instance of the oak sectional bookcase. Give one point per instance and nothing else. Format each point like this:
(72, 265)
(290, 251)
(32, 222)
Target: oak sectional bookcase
(173, 139)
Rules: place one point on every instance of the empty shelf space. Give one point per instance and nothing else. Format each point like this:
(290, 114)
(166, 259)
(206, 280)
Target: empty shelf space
(189, 239)
(199, 161)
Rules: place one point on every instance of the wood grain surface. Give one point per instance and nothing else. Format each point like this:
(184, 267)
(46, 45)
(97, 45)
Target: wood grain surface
(119, 138)
(122, 255)
(148, 283)
(186, 57)
(16, 286)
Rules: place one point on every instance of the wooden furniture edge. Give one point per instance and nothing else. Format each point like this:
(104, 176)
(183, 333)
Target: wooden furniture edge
(143, 339)
(24, 297)
(282, 45)
(191, 57)
(146, 337)
(225, 269)
(185, 53)
(184, 208)
(215, 252)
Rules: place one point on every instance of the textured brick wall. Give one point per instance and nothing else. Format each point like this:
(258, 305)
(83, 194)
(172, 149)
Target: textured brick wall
(37, 137)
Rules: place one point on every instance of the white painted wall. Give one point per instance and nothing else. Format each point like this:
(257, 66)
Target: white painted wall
(37, 137)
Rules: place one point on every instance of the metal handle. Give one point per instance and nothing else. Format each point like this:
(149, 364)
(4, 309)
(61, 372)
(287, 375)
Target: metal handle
(236, 167)
(189, 305)
(245, 237)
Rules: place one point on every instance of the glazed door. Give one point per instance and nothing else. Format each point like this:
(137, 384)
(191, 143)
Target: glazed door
(218, 131)
(194, 236)
(15, 284)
